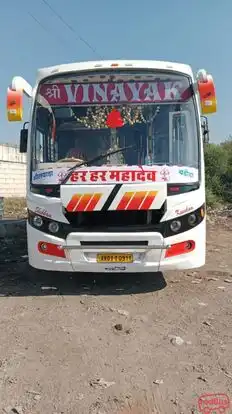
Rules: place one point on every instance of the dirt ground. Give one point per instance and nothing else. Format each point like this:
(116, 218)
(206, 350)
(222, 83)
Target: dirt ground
(115, 344)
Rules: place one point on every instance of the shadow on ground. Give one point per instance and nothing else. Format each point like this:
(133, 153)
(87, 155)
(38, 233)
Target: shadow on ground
(19, 279)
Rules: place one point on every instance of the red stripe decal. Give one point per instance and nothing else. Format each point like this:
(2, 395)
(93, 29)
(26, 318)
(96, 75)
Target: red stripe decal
(148, 200)
(85, 199)
(73, 202)
(125, 200)
(136, 200)
(94, 200)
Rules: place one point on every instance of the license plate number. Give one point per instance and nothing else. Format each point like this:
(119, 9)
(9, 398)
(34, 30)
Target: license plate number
(115, 258)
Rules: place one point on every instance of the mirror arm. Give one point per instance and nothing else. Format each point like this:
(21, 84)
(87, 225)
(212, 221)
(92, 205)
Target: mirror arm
(18, 83)
(24, 125)
(202, 76)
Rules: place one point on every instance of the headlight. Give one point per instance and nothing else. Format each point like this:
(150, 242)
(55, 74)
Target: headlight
(192, 218)
(37, 221)
(175, 225)
(53, 227)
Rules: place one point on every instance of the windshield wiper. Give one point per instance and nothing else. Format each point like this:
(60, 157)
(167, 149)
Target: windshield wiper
(89, 162)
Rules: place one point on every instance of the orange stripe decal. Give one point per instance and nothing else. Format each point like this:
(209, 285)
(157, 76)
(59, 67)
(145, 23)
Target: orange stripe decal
(136, 200)
(93, 202)
(146, 204)
(141, 200)
(125, 200)
(83, 202)
(73, 202)
(85, 199)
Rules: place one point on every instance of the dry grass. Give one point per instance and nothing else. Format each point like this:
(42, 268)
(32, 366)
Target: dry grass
(15, 207)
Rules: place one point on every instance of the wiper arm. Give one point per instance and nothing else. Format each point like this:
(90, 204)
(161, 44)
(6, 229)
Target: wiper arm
(89, 162)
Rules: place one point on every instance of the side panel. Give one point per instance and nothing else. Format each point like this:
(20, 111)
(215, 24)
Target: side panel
(201, 147)
(29, 144)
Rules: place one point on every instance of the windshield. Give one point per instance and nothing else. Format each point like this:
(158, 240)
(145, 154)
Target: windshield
(145, 120)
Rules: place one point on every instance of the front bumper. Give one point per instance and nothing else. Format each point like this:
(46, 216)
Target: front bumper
(149, 258)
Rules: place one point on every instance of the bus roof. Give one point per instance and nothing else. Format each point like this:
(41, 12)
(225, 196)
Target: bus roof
(110, 64)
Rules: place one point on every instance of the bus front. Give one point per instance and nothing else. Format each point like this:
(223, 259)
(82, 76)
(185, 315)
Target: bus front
(116, 170)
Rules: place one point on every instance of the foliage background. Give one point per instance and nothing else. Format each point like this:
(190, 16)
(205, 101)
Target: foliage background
(218, 173)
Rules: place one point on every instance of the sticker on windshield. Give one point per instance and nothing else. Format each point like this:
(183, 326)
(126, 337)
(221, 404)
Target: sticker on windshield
(186, 172)
(111, 93)
(113, 175)
(43, 175)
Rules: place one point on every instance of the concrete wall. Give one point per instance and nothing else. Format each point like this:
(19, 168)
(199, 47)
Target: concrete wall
(12, 171)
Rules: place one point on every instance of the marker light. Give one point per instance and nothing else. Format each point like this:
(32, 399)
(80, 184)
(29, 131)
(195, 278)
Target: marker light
(51, 249)
(180, 248)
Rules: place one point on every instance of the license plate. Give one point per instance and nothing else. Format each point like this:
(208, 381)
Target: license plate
(115, 258)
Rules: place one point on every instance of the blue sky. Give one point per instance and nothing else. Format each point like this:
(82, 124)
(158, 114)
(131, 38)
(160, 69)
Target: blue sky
(197, 32)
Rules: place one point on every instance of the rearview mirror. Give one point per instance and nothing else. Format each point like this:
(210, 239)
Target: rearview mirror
(14, 105)
(205, 129)
(207, 93)
(23, 140)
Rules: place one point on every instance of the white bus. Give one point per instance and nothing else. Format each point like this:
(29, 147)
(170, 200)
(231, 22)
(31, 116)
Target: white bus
(115, 179)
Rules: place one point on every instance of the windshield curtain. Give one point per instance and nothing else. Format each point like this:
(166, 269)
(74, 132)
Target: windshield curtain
(154, 115)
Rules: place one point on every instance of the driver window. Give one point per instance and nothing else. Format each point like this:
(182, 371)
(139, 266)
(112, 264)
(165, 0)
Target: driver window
(39, 147)
(178, 139)
(45, 145)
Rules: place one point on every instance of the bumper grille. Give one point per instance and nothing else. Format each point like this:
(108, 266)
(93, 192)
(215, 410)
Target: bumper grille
(113, 221)
(114, 243)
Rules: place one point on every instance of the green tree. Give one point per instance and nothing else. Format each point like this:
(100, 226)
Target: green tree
(216, 166)
(218, 172)
(227, 176)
